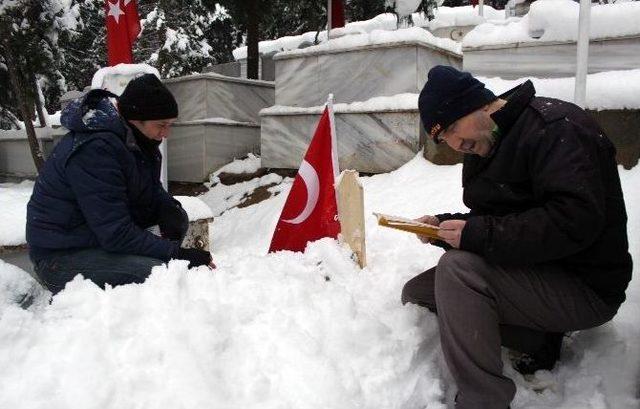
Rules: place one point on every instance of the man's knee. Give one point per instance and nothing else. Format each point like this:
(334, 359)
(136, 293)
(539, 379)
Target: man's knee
(420, 290)
(458, 268)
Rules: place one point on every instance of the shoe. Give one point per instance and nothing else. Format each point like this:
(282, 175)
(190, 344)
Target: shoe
(544, 358)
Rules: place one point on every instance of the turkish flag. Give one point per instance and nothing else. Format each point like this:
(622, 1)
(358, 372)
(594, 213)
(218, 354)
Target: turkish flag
(337, 13)
(311, 212)
(123, 27)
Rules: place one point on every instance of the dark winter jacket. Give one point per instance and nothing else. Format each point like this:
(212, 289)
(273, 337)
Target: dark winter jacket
(549, 192)
(98, 188)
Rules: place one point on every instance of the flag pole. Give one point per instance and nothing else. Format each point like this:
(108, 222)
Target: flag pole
(582, 58)
(329, 18)
(334, 142)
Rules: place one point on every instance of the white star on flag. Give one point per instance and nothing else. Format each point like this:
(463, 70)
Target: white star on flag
(115, 11)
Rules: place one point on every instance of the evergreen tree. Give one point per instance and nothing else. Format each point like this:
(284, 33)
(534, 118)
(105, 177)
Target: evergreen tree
(181, 37)
(30, 56)
(358, 10)
(248, 16)
(427, 7)
(85, 52)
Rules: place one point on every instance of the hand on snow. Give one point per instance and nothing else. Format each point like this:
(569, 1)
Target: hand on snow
(196, 257)
(432, 220)
(451, 231)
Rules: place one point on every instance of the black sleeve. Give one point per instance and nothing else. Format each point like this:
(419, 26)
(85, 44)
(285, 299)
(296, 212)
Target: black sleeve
(569, 215)
(453, 216)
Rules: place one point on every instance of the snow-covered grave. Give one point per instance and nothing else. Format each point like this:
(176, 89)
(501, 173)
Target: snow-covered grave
(284, 330)
(456, 22)
(445, 21)
(543, 42)
(383, 69)
(218, 121)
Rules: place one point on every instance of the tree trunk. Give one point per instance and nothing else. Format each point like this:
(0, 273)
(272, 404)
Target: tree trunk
(26, 108)
(39, 102)
(253, 53)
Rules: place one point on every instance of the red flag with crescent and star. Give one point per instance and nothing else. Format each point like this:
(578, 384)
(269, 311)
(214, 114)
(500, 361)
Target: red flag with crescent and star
(123, 27)
(311, 211)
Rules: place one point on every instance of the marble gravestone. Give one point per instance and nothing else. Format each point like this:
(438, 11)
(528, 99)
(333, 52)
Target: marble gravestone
(15, 154)
(358, 73)
(369, 141)
(551, 59)
(211, 95)
(197, 148)
(373, 137)
(218, 122)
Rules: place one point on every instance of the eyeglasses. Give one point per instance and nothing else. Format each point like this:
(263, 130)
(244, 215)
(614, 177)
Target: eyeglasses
(442, 136)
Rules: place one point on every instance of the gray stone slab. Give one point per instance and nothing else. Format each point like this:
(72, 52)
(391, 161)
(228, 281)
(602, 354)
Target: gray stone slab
(357, 74)
(455, 33)
(15, 154)
(552, 59)
(205, 96)
(230, 69)
(197, 148)
(371, 142)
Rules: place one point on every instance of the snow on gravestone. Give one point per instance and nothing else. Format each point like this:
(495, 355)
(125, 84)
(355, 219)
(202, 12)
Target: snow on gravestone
(116, 78)
(200, 216)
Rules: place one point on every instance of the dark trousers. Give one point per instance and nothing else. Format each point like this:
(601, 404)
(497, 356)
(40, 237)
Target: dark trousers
(102, 267)
(481, 306)
(97, 265)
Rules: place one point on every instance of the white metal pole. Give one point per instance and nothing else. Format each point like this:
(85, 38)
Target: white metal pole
(480, 8)
(582, 59)
(163, 172)
(329, 17)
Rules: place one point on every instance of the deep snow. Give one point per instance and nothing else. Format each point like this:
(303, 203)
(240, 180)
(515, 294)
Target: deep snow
(285, 330)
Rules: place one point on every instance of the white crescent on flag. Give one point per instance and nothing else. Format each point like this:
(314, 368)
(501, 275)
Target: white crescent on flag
(310, 178)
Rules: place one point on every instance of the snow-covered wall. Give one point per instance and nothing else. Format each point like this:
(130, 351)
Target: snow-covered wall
(443, 17)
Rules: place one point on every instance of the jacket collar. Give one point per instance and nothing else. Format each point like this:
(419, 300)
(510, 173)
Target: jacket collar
(518, 99)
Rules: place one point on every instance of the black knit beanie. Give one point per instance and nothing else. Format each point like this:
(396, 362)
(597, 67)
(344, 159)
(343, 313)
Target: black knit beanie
(449, 95)
(146, 98)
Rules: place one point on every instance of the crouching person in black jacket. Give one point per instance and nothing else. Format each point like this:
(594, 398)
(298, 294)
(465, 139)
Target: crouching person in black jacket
(100, 190)
(544, 248)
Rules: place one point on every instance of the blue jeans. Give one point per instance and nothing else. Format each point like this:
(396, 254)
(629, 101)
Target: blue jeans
(95, 264)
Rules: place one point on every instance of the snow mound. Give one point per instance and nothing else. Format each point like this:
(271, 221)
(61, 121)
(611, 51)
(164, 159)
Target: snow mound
(379, 37)
(116, 78)
(287, 329)
(13, 202)
(196, 209)
(557, 20)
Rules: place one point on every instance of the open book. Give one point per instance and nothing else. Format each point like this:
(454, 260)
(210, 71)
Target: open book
(409, 225)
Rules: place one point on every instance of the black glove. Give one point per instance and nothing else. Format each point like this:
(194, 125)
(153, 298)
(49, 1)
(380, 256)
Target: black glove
(173, 221)
(196, 257)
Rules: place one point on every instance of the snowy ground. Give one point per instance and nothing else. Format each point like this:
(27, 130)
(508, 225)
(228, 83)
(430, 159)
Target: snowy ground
(285, 330)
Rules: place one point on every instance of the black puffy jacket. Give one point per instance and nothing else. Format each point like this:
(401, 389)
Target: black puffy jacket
(549, 192)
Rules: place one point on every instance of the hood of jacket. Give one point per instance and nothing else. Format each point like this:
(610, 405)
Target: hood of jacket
(93, 112)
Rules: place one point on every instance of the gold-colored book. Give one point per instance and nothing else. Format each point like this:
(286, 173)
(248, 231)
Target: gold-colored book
(412, 226)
